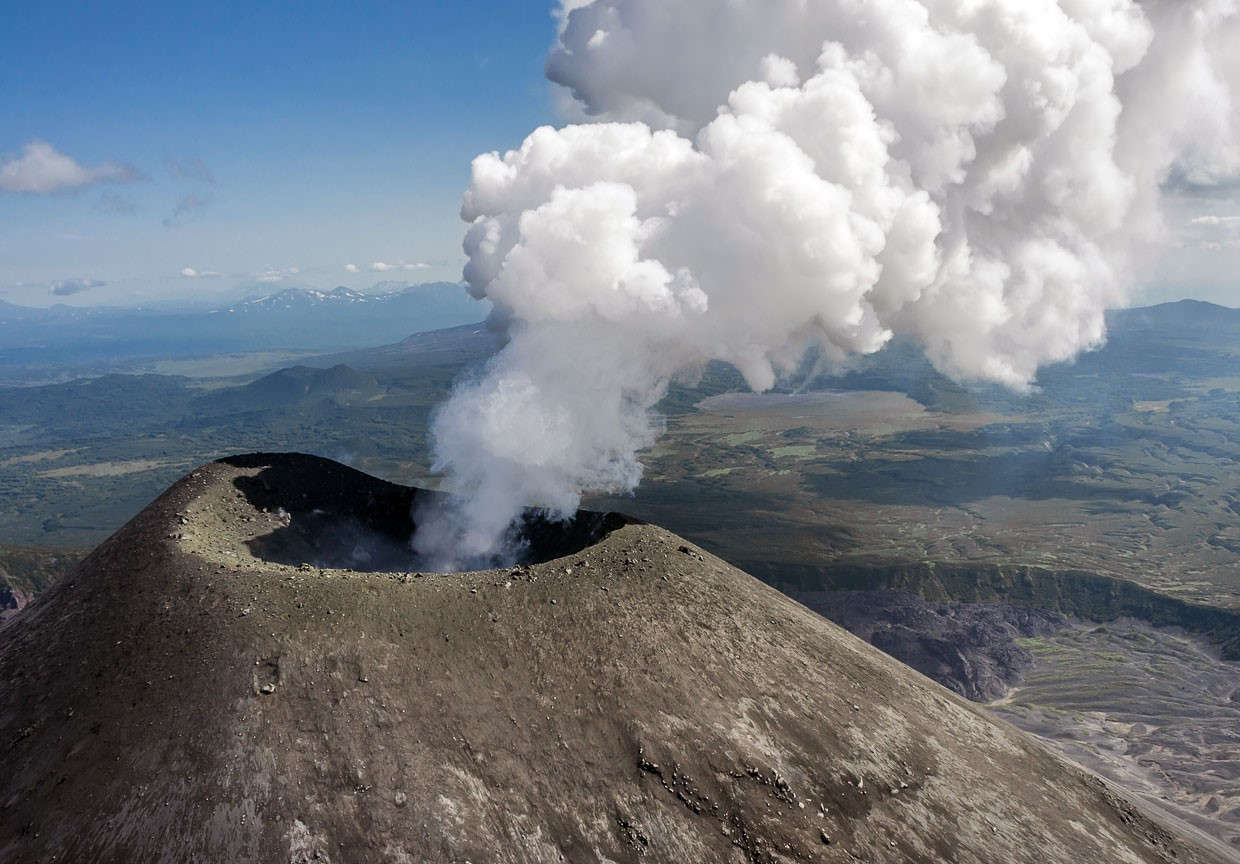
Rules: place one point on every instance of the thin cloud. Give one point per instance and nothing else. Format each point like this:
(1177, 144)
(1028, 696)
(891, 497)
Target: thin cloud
(1190, 184)
(41, 169)
(190, 168)
(188, 209)
(191, 273)
(115, 203)
(1210, 232)
(352, 268)
(276, 274)
(384, 267)
(1216, 221)
(69, 287)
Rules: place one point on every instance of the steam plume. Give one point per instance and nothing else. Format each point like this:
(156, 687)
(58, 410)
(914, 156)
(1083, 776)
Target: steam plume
(759, 176)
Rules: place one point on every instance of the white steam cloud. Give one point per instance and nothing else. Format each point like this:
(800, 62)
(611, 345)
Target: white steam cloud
(760, 176)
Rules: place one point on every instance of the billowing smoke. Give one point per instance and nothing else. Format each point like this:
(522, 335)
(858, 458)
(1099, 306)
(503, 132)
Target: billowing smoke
(755, 177)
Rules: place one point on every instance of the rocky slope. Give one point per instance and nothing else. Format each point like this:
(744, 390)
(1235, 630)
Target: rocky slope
(212, 685)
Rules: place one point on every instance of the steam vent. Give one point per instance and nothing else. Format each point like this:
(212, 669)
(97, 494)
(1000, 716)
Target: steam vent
(247, 671)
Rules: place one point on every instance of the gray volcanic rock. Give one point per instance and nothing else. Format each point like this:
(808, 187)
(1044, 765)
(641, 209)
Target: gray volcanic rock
(192, 692)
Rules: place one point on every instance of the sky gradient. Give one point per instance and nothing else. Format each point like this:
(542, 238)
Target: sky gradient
(256, 141)
(154, 152)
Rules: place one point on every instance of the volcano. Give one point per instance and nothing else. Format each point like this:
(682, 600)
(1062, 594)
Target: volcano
(248, 671)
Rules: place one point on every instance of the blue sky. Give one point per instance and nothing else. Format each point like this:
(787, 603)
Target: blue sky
(255, 140)
(265, 145)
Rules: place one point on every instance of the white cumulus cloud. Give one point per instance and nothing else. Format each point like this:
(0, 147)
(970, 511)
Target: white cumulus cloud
(42, 169)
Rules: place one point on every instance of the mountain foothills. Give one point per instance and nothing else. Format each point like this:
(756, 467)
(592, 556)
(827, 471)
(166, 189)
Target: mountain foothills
(1069, 556)
(224, 680)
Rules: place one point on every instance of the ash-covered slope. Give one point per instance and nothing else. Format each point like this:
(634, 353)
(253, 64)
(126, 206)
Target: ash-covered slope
(194, 692)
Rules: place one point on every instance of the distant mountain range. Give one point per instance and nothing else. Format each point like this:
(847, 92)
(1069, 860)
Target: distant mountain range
(1192, 314)
(309, 298)
(292, 319)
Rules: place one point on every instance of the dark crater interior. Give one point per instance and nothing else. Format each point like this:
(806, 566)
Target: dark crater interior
(342, 518)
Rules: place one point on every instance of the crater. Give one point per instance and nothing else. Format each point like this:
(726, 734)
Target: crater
(331, 516)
